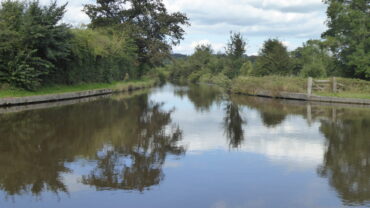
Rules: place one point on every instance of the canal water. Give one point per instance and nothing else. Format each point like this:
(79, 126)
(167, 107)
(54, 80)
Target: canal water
(184, 146)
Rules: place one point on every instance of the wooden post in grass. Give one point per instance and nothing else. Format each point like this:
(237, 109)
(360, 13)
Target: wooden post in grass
(335, 85)
(309, 86)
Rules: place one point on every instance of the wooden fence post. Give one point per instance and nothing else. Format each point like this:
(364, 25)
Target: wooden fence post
(335, 85)
(309, 86)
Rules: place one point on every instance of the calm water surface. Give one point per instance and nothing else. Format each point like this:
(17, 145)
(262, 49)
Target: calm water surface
(177, 146)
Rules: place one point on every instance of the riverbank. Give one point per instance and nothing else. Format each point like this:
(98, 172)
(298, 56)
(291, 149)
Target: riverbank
(10, 97)
(354, 91)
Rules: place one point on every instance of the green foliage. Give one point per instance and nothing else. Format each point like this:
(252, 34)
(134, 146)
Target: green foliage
(236, 46)
(191, 69)
(312, 60)
(153, 29)
(218, 79)
(273, 59)
(32, 44)
(235, 51)
(246, 69)
(100, 56)
(205, 66)
(313, 69)
(36, 49)
(348, 36)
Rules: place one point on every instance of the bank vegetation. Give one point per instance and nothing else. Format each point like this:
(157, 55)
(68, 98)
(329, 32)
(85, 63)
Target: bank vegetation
(125, 41)
(343, 51)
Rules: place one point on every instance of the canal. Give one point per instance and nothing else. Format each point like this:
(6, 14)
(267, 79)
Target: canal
(184, 146)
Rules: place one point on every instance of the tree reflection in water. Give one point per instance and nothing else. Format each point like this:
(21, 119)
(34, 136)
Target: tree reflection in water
(233, 125)
(347, 132)
(36, 145)
(272, 119)
(347, 159)
(202, 96)
(138, 165)
(129, 139)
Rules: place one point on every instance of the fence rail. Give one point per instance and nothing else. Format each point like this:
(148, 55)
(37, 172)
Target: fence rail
(331, 84)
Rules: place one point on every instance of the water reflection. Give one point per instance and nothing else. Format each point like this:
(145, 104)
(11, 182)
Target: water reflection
(347, 159)
(233, 125)
(126, 143)
(201, 96)
(129, 140)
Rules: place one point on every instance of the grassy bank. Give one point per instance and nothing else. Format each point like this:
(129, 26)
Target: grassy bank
(7, 92)
(354, 88)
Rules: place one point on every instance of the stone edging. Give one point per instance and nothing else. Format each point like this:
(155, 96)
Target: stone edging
(302, 96)
(61, 96)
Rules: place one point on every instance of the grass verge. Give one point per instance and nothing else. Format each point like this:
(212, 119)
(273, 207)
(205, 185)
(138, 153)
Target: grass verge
(57, 89)
(353, 88)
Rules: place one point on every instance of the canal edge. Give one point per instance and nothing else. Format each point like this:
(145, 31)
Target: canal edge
(305, 97)
(17, 101)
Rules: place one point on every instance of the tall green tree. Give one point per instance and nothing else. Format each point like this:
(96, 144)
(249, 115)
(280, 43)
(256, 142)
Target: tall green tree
(235, 51)
(273, 59)
(313, 59)
(236, 47)
(153, 28)
(348, 35)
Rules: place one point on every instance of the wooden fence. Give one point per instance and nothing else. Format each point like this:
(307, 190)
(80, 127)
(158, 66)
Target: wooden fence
(331, 85)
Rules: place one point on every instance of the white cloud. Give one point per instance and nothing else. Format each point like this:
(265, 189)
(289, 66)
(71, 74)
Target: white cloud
(291, 20)
(296, 20)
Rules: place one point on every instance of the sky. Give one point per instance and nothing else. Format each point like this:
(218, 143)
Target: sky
(292, 21)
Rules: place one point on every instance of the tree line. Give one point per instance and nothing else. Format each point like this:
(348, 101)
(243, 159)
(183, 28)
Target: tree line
(129, 39)
(344, 50)
(125, 39)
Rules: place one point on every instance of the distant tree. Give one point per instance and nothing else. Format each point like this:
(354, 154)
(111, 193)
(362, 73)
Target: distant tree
(235, 51)
(348, 35)
(202, 54)
(312, 60)
(147, 21)
(273, 59)
(236, 47)
(178, 56)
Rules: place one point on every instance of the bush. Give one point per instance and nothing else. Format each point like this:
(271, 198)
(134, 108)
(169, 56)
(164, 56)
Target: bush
(219, 79)
(32, 42)
(246, 69)
(35, 49)
(313, 69)
(100, 57)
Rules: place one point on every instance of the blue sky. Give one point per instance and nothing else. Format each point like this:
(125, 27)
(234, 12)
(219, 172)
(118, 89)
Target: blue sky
(292, 21)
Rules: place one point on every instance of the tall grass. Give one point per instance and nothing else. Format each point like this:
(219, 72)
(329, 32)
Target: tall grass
(274, 84)
(353, 88)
